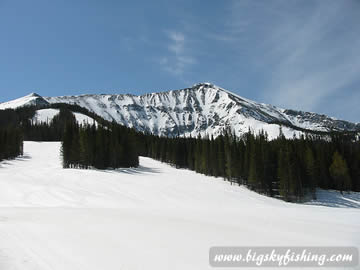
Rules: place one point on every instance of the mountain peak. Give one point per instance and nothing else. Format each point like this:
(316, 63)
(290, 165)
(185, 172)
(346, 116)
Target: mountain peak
(203, 84)
(29, 100)
(206, 86)
(33, 94)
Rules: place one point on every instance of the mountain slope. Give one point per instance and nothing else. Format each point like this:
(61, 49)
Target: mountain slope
(31, 99)
(47, 115)
(202, 109)
(151, 217)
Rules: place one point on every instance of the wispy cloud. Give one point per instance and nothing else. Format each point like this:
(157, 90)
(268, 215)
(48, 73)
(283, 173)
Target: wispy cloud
(311, 59)
(304, 52)
(178, 59)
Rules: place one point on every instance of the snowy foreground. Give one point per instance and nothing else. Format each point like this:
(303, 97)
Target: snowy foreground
(152, 217)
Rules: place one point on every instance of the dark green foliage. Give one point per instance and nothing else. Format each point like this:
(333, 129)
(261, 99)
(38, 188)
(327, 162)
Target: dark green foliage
(310, 170)
(51, 131)
(108, 146)
(11, 143)
(284, 168)
(99, 147)
(11, 136)
(339, 171)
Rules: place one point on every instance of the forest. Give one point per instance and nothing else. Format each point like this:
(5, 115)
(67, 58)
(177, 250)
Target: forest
(87, 146)
(290, 169)
(11, 136)
(11, 143)
(109, 145)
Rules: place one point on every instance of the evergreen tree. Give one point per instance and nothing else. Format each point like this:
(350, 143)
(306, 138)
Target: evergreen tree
(340, 173)
(310, 171)
(283, 174)
(252, 179)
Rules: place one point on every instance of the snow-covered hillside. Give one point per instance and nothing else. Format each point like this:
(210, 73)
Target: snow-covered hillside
(152, 217)
(32, 99)
(203, 109)
(47, 115)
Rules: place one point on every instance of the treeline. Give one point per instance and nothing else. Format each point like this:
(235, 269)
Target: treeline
(11, 143)
(86, 146)
(54, 129)
(106, 145)
(21, 118)
(285, 168)
(50, 131)
(11, 137)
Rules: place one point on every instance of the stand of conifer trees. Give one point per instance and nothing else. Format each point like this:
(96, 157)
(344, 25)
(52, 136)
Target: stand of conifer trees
(49, 131)
(107, 145)
(284, 168)
(11, 136)
(99, 147)
(11, 143)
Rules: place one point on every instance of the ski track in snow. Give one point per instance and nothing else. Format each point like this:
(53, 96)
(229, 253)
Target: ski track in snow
(151, 217)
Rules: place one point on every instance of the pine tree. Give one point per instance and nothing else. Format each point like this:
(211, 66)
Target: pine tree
(220, 155)
(340, 173)
(66, 145)
(310, 170)
(284, 174)
(228, 157)
(355, 169)
(253, 178)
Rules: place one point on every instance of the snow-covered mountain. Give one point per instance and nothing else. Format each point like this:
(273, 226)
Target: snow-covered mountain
(202, 109)
(32, 99)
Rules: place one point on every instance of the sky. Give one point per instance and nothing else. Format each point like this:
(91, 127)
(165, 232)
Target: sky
(301, 55)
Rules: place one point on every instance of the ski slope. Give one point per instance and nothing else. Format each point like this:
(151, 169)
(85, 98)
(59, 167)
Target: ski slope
(151, 217)
(47, 115)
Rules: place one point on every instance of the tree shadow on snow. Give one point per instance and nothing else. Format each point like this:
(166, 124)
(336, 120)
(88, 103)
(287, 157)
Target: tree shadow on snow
(133, 171)
(10, 162)
(24, 158)
(332, 198)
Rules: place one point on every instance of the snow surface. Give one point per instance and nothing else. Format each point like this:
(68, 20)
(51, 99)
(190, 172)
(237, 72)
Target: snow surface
(46, 116)
(151, 217)
(333, 198)
(84, 119)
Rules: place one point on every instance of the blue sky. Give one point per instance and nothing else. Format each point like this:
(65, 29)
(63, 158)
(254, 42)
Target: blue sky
(293, 54)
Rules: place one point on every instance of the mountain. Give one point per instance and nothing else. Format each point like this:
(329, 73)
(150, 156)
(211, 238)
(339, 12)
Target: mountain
(203, 109)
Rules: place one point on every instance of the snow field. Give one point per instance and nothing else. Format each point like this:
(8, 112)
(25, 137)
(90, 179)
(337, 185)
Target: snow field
(151, 217)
